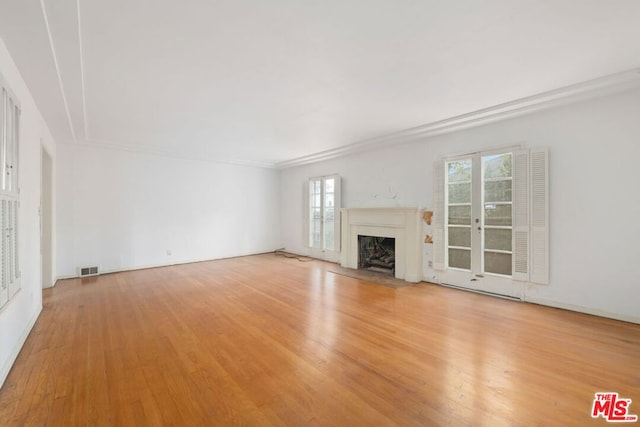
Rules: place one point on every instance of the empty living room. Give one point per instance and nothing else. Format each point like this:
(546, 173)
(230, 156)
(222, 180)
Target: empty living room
(336, 213)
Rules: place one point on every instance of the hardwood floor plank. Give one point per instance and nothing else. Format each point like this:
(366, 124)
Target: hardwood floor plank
(265, 340)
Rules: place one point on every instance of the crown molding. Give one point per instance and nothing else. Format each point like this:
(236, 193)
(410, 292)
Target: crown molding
(610, 84)
(83, 80)
(598, 87)
(174, 154)
(54, 56)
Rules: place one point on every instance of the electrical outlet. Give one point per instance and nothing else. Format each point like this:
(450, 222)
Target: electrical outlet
(430, 263)
(168, 252)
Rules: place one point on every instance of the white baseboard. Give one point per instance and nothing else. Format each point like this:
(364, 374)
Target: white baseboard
(586, 310)
(4, 373)
(144, 267)
(556, 304)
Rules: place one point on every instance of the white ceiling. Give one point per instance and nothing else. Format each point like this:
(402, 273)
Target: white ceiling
(269, 81)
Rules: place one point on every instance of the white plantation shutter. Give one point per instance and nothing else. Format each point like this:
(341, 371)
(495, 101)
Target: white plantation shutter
(540, 216)
(438, 220)
(306, 212)
(521, 216)
(13, 248)
(9, 193)
(3, 131)
(4, 286)
(16, 259)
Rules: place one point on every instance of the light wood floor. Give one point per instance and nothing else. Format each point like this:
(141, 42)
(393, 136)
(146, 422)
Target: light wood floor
(266, 340)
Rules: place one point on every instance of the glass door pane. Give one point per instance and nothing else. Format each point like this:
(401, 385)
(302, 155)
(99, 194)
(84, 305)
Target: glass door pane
(458, 213)
(497, 199)
(315, 213)
(329, 214)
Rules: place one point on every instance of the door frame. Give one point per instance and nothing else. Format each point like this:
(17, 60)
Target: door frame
(321, 252)
(46, 217)
(475, 279)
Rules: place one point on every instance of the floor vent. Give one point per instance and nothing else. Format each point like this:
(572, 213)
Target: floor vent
(88, 271)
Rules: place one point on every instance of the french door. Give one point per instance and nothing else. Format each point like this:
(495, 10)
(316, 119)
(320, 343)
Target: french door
(324, 217)
(479, 223)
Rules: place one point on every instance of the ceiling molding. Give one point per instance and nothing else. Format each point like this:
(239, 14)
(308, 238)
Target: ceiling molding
(82, 78)
(174, 154)
(598, 87)
(605, 85)
(57, 66)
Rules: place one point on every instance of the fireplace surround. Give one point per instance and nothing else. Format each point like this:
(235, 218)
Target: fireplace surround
(402, 224)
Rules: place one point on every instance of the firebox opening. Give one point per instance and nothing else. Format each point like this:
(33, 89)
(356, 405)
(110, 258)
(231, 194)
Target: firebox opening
(377, 254)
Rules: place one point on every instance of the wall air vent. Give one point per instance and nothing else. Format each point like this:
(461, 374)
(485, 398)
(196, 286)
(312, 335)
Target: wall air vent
(88, 271)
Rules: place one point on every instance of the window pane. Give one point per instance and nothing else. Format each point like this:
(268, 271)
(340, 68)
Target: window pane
(3, 96)
(460, 236)
(314, 188)
(497, 263)
(315, 213)
(460, 258)
(497, 214)
(460, 215)
(328, 185)
(328, 199)
(7, 142)
(497, 166)
(459, 171)
(314, 233)
(328, 214)
(497, 239)
(10, 136)
(460, 193)
(16, 150)
(497, 191)
(328, 235)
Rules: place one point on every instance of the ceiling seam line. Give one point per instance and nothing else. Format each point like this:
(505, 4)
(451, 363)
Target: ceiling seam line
(55, 62)
(82, 83)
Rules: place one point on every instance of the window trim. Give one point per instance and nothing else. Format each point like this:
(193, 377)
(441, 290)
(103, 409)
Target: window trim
(530, 212)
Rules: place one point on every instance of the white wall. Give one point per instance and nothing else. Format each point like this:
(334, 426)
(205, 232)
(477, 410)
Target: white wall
(595, 208)
(18, 315)
(122, 210)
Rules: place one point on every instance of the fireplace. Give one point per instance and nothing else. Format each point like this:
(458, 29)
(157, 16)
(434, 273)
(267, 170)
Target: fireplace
(403, 225)
(377, 254)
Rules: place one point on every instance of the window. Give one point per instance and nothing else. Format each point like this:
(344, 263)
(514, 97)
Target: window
(324, 213)
(9, 194)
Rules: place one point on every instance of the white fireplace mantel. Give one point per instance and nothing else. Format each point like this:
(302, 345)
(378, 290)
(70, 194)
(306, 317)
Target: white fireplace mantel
(402, 224)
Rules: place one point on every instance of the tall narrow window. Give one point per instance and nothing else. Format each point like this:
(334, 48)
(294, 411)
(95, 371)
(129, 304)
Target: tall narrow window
(324, 213)
(9, 194)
